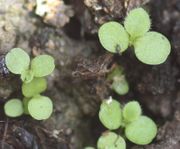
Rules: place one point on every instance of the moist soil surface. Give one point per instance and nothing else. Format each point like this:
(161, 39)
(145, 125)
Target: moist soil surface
(68, 32)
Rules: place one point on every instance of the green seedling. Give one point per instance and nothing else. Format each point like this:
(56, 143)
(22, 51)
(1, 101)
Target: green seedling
(18, 62)
(138, 129)
(110, 114)
(13, 108)
(150, 48)
(32, 74)
(119, 82)
(36, 86)
(110, 140)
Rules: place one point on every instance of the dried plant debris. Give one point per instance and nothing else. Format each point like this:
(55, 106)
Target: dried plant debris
(92, 69)
(54, 12)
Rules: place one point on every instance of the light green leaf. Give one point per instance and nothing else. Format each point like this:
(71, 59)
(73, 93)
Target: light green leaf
(13, 108)
(137, 23)
(89, 147)
(42, 65)
(110, 140)
(153, 48)
(113, 37)
(110, 114)
(141, 131)
(17, 61)
(120, 85)
(36, 86)
(131, 111)
(40, 107)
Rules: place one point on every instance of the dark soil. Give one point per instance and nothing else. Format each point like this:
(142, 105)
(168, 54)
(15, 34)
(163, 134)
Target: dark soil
(78, 84)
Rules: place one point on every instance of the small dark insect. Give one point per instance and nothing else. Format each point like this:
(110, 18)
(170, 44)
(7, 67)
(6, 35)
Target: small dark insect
(3, 69)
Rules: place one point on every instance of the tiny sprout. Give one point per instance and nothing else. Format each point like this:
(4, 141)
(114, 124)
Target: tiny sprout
(113, 37)
(153, 48)
(119, 84)
(137, 23)
(13, 108)
(141, 131)
(110, 114)
(17, 61)
(36, 86)
(40, 107)
(150, 47)
(131, 111)
(110, 140)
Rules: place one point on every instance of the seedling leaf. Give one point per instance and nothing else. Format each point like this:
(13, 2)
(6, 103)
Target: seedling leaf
(120, 85)
(17, 61)
(131, 111)
(141, 131)
(13, 108)
(137, 23)
(110, 114)
(42, 65)
(153, 48)
(40, 107)
(113, 37)
(36, 86)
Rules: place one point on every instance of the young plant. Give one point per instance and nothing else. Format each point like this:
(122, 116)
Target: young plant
(150, 47)
(119, 82)
(138, 129)
(38, 106)
(18, 62)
